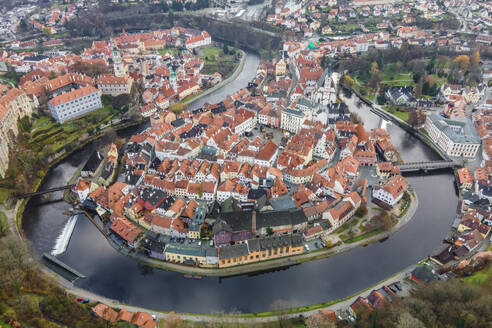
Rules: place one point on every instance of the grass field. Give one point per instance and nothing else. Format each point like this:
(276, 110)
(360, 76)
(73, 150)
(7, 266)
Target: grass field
(397, 79)
(216, 61)
(46, 131)
(401, 115)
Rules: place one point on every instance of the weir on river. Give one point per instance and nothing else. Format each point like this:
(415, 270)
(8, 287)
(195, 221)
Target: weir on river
(116, 276)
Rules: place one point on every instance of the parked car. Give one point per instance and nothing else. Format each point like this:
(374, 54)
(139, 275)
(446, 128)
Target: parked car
(83, 300)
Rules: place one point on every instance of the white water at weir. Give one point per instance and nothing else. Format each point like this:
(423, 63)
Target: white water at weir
(64, 237)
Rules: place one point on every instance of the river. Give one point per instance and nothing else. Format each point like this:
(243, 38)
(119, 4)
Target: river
(115, 276)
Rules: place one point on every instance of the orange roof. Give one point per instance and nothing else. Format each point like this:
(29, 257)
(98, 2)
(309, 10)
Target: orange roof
(72, 95)
(140, 318)
(396, 185)
(125, 229)
(105, 312)
(464, 175)
(111, 79)
(125, 315)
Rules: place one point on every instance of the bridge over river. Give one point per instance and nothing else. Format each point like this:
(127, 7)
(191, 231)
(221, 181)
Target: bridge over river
(426, 166)
(38, 193)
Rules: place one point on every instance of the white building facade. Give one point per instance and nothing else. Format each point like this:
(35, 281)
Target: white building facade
(75, 103)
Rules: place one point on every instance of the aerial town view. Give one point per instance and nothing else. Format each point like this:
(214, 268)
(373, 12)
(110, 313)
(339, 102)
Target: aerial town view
(261, 163)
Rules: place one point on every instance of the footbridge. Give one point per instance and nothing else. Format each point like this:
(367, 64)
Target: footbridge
(37, 193)
(426, 166)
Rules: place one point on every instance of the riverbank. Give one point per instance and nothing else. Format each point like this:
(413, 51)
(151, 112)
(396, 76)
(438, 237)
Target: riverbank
(223, 83)
(15, 216)
(386, 115)
(280, 263)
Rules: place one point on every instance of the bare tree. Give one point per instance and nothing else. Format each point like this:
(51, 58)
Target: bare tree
(173, 320)
(16, 264)
(407, 321)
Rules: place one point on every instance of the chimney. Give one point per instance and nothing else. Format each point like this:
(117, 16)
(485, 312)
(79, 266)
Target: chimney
(253, 223)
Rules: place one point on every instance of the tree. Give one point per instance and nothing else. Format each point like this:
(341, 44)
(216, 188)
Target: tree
(362, 210)
(120, 101)
(269, 231)
(347, 81)
(173, 321)
(177, 6)
(381, 99)
(25, 124)
(463, 61)
(15, 263)
(178, 108)
(416, 117)
(476, 58)
(418, 89)
(170, 17)
(407, 321)
(386, 221)
(374, 68)
(431, 80)
(382, 220)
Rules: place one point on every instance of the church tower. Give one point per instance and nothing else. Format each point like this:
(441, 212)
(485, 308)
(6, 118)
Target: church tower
(118, 67)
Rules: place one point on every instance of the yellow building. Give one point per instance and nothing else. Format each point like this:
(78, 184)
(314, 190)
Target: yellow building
(185, 255)
(188, 89)
(194, 232)
(386, 169)
(259, 249)
(281, 68)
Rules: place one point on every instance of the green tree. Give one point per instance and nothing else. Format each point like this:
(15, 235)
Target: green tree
(170, 17)
(269, 231)
(25, 124)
